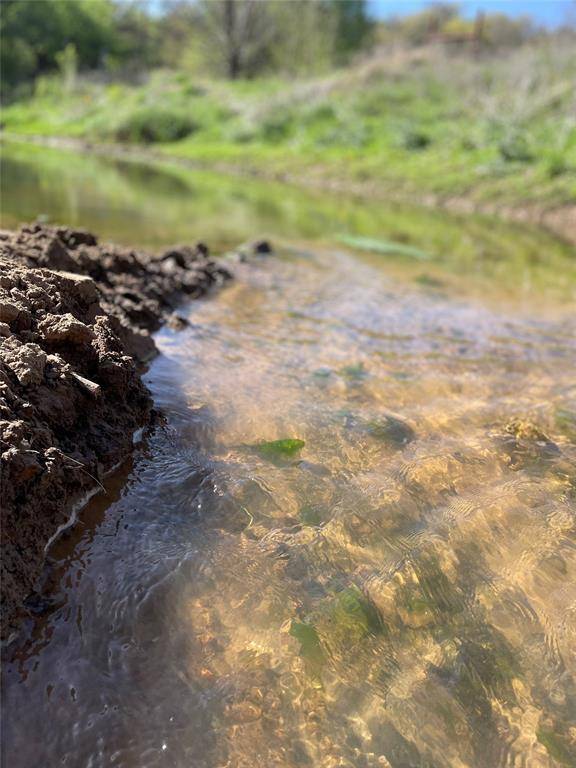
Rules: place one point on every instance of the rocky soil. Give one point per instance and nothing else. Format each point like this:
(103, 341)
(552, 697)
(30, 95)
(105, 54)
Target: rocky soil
(75, 324)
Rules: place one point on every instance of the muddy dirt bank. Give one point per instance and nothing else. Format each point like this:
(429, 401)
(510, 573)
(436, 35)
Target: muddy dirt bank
(75, 324)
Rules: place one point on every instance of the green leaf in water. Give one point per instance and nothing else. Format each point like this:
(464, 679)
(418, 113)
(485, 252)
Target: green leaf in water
(383, 246)
(280, 450)
(310, 648)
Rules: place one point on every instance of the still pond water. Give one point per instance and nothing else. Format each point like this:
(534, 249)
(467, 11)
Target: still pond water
(400, 590)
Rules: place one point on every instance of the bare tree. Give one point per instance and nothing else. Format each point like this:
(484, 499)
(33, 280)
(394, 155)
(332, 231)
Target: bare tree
(239, 34)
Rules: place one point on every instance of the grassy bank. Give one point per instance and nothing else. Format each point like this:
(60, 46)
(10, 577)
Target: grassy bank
(497, 131)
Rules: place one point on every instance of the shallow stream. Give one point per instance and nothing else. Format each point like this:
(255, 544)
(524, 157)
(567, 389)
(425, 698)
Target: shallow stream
(397, 590)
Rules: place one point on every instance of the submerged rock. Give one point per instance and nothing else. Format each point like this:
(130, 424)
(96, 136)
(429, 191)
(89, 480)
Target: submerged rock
(526, 431)
(386, 428)
(392, 430)
(526, 445)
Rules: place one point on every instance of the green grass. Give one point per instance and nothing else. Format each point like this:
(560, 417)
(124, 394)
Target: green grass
(501, 131)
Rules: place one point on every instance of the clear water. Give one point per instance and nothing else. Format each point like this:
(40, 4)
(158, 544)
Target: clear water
(401, 592)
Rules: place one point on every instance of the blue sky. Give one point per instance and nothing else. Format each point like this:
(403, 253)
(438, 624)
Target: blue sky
(550, 13)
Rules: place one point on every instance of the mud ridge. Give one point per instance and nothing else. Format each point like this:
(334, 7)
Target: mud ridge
(76, 319)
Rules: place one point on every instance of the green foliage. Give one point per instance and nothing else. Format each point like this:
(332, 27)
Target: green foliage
(304, 43)
(354, 28)
(276, 127)
(234, 38)
(345, 132)
(67, 61)
(34, 33)
(237, 38)
(420, 27)
(149, 125)
(455, 126)
(442, 21)
(557, 166)
(515, 148)
(135, 42)
(18, 63)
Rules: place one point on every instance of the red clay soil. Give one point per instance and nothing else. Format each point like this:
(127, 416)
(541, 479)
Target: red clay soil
(75, 323)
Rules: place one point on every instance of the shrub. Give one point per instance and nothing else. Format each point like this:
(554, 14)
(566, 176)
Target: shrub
(556, 166)
(276, 128)
(346, 134)
(321, 113)
(148, 125)
(415, 139)
(515, 149)
(241, 134)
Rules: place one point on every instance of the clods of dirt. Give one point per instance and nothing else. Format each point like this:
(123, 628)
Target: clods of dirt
(75, 325)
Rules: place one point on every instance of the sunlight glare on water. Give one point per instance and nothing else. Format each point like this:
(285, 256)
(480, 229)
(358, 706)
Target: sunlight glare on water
(399, 592)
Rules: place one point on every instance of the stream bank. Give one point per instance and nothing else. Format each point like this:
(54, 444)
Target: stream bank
(75, 325)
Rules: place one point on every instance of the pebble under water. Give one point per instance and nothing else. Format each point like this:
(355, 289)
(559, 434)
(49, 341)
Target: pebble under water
(398, 591)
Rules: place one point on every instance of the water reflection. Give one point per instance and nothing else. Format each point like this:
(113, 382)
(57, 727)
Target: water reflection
(398, 593)
(130, 202)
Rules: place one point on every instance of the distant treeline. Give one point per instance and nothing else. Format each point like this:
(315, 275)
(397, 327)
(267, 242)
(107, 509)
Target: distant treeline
(225, 38)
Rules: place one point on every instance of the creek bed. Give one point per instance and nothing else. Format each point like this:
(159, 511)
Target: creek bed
(396, 590)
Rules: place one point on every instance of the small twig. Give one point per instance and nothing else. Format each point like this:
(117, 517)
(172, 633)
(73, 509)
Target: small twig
(82, 467)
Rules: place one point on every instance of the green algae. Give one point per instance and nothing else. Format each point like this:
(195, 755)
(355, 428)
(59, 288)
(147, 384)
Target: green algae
(310, 515)
(555, 746)
(342, 621)
(354, 372)
(280, 450)
(310, 647)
